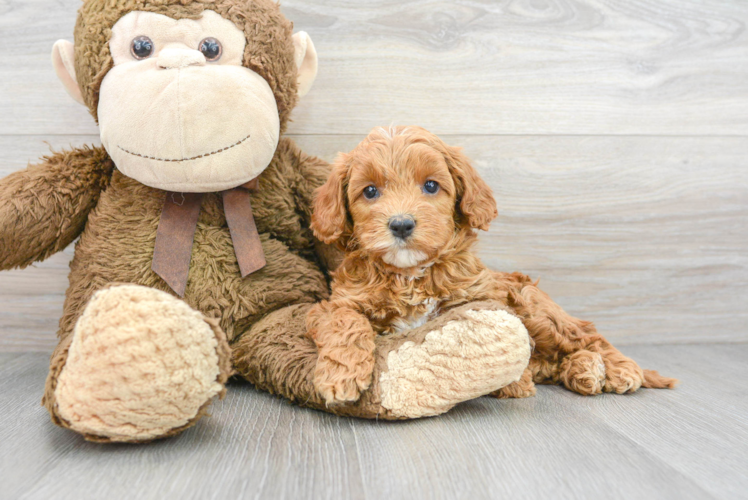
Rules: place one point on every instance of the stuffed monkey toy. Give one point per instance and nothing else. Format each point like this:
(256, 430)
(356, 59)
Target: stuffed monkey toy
(195, 260)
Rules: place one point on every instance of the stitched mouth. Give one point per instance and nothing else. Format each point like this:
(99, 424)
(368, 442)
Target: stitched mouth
(176, 160)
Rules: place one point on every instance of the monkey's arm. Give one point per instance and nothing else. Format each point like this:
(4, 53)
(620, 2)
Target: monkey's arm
(311, 173)
(44, 207)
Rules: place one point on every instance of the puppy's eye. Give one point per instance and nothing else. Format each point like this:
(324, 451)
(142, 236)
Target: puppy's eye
(371, 192)
(431, 187)
(211, 49)
(141, 47)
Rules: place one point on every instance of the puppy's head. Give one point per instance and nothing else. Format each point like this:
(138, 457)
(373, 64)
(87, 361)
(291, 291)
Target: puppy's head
(401, 195)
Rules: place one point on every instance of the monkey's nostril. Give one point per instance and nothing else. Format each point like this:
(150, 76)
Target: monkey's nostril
(402, 227)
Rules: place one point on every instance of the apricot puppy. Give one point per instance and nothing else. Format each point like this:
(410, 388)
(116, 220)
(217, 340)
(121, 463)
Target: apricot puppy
(404, 206)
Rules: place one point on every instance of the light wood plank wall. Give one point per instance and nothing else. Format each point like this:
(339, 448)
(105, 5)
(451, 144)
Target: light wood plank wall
(615, 135)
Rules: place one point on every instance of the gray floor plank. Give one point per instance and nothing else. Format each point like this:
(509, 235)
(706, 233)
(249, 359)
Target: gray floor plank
(710, 405)
(642, 235)
(473, 67)
(540, 448)
(686, 443)
(253, 446)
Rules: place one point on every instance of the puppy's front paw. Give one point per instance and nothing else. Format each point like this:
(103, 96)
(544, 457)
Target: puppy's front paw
(622, 374)
(340, 384)
(339, 392)
(583, 372)
(345, 346)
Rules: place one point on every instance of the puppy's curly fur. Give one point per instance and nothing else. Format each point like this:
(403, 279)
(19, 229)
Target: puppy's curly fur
(396, 276)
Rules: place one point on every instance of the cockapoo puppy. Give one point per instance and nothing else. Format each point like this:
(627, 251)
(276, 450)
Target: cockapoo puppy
(404, 206)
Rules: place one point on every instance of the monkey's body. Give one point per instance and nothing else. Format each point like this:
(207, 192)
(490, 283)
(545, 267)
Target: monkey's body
(118, 241)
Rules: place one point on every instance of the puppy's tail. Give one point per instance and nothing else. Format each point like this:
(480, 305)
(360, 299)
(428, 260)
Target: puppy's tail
(654, 380)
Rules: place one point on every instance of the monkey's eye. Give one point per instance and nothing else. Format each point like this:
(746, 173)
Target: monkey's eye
(371, 192)
(141, 47)
(431, 187)
(211, 49)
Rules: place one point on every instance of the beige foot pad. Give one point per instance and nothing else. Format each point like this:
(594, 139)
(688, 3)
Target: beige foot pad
(472, 353)
(141, 364)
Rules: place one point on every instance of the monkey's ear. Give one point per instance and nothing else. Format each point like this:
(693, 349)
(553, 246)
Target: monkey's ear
(63, 59)
(330, 213)
(305, 56)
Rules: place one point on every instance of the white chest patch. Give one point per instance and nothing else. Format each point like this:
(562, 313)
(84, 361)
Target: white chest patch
(402, 257)
(414, 321)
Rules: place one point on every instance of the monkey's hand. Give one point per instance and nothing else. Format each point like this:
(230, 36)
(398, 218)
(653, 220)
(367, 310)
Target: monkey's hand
(44, 207)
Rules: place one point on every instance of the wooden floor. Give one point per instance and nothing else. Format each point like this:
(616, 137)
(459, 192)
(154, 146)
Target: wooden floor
(688, 443)
(615, 136)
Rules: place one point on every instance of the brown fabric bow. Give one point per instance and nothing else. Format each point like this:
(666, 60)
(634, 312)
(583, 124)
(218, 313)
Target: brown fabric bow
(176, 234)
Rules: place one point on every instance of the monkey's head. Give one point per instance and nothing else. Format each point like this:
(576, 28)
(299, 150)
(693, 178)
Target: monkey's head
(190, 95)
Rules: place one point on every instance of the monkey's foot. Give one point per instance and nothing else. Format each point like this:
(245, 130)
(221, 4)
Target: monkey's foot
(142, 365)
(467, 352)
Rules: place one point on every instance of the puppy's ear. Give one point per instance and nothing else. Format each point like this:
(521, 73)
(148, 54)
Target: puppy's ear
(330, 215)
(474, 196)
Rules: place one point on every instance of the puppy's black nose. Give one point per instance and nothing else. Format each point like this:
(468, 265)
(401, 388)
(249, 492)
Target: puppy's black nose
(402, 227)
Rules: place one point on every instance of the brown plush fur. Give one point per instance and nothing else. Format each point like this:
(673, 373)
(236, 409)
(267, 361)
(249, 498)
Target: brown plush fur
(373, 294)
(44, 208)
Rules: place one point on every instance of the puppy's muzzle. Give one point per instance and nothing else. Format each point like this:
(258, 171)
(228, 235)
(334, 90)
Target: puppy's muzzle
(402, 226)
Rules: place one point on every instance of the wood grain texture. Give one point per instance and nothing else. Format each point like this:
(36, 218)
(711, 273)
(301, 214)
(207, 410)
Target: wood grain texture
(642, 235)
(460, 67)
(687, 443)
(615, 136)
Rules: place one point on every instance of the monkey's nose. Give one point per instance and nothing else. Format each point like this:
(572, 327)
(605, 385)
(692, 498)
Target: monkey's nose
(402, 226)
(180, 58)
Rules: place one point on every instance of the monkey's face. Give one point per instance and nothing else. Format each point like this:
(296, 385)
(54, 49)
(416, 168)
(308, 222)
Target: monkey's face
(180, 109)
